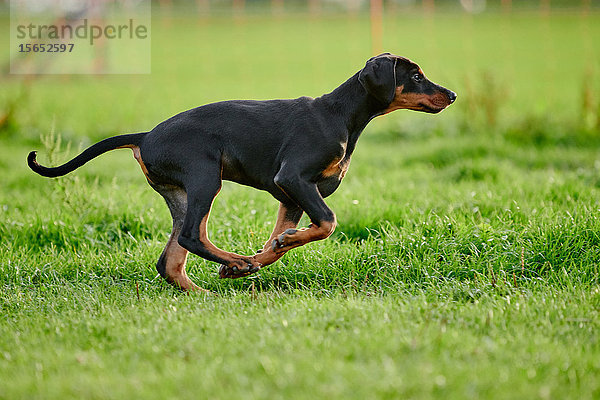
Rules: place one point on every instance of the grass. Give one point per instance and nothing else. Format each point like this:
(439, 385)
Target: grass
(453, 340)
(465, 263)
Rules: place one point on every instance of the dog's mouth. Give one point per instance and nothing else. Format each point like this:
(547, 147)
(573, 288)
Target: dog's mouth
(429, 103)
(431, 110)
(435, 103)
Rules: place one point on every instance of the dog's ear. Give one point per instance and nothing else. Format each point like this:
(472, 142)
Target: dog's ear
(378, 78)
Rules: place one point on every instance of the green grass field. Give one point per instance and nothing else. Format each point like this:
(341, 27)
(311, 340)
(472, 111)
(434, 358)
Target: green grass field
(465, 263)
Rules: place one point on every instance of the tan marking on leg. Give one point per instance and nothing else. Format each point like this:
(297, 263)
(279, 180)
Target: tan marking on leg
(268, 256)
(232, 259)
(137, 155)
(210, 247)
(304, 236)
(175, 259)
(281, 225)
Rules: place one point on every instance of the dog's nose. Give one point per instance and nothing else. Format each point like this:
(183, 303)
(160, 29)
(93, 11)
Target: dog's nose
(451, 96)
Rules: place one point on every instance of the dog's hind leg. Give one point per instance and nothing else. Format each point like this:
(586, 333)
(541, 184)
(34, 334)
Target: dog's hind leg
(171, 264)
(194, 234)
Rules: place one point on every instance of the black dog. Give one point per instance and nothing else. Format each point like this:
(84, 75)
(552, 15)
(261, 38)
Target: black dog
(298, 150)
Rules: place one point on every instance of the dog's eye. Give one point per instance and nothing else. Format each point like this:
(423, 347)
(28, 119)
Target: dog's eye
(417, 78)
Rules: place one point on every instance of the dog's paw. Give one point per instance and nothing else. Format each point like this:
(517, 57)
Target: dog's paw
(286, 239)
(239, 268)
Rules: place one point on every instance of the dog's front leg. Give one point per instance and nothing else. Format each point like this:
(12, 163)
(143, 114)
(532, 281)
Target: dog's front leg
(306, 195)
(287, 218)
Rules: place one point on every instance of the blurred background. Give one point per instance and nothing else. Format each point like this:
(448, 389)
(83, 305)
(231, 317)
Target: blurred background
(527, 74)
(519, 67)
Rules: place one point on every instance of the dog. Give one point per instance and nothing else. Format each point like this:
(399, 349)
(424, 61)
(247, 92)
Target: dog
(298, 150)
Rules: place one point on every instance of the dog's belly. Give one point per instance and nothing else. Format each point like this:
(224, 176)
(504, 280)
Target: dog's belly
(326, 186)
(247, 173)
(271, 188)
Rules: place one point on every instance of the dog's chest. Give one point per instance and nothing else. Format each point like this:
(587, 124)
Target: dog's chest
(332, 176)
(336, 169)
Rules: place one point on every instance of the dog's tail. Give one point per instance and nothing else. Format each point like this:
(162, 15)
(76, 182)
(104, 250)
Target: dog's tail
(91, 152)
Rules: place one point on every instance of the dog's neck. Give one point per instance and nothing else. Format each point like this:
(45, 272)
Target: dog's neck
(351, 102)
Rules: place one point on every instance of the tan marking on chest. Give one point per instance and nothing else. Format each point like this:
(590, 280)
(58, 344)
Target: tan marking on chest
(337, 167)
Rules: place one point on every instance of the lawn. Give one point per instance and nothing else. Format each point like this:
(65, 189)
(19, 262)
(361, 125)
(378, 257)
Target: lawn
(466, 259)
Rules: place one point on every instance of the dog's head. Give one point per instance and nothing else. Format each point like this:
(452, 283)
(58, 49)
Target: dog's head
(397, 83)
